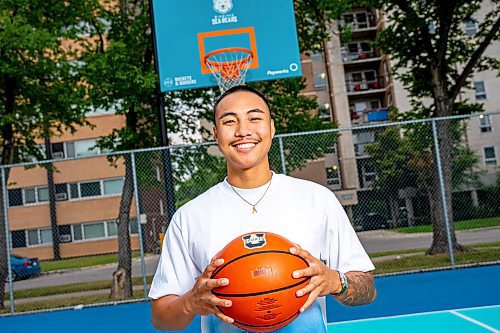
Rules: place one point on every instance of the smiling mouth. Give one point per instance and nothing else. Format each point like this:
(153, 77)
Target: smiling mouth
(245, 145)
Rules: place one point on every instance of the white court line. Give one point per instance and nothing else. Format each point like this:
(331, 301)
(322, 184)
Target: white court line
(412, 315)
(489, 328)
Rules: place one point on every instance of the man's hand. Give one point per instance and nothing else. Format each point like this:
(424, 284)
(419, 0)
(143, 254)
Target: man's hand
(200, 299)
(323, 280)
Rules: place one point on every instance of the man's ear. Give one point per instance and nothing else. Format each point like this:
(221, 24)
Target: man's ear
(214, 131)
(273, 130)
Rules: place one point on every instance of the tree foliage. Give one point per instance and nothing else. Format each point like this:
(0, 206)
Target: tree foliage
(40, 87)
(434, 58)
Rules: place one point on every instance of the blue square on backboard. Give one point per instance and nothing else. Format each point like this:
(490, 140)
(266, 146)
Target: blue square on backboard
(188, 30)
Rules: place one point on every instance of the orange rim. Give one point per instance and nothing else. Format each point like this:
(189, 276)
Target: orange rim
(229, 69)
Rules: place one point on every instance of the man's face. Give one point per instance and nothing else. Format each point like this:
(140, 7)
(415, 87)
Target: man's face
(244, 130)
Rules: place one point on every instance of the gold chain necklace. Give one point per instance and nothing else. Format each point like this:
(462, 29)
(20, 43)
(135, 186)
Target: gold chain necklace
(254, 210)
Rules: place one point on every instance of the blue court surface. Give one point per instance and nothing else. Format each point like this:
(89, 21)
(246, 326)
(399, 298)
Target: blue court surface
(463, 300)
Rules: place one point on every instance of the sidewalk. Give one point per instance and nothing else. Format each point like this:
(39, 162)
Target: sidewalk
(68, 296)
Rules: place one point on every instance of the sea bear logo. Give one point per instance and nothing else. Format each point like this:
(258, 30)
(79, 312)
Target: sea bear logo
(223, 6)
(254, 241)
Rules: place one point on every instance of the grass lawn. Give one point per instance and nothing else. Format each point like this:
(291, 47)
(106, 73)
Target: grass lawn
(80, 262)
(66, 302)
(459, 225)
(70, 288)
(422, 261)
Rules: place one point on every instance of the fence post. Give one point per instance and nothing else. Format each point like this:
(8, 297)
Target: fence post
(7, 240)
(282, 155)
(139, 231)
(443, 194)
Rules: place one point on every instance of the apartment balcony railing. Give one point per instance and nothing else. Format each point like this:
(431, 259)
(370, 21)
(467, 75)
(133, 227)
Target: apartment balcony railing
(370, 116)
(359, 21)
(348, 57)
(364, 85)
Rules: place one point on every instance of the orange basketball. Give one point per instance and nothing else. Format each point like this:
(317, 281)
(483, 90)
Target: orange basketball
(259, 267)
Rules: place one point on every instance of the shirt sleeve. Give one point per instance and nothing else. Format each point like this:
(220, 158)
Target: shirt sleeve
(176, 272)
(345, 250)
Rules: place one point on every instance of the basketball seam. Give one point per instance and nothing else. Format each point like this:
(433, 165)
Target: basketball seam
(255, 253)
(263, 292)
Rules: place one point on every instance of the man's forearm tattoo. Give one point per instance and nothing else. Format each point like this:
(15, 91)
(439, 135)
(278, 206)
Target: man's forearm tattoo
(361, 289)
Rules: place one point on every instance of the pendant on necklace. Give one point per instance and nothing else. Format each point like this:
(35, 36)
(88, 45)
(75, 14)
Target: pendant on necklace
(254, 210)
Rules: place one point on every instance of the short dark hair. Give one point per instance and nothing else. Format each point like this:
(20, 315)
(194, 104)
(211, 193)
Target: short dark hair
(240, 88)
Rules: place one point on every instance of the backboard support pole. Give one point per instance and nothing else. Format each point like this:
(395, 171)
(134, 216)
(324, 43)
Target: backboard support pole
(160, 104)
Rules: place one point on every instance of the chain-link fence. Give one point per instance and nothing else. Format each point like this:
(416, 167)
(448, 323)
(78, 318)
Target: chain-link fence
(88, 229)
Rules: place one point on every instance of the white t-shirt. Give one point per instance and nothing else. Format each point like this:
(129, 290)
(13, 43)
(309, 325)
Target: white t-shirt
(306, 213)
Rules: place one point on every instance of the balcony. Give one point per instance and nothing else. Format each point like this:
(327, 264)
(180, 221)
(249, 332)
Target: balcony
(350, 57)
(361, 24)
(359, 87)
(358, 21)
(369, 116)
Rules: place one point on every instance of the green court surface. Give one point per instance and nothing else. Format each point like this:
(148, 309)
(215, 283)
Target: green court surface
(474, 320)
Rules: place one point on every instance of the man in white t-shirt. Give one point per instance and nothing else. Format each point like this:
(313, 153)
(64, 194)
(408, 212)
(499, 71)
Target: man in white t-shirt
(252, 199)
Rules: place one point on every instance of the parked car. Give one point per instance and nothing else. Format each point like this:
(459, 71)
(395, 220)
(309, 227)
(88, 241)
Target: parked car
(24, 268)
(372, 221)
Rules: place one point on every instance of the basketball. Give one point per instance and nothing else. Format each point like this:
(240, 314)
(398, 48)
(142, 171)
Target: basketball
(259, 267)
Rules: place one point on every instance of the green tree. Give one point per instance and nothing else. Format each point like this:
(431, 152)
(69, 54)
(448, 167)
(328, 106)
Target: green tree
(434, 58)
(40, 88)
(390, 158)
(422, 161)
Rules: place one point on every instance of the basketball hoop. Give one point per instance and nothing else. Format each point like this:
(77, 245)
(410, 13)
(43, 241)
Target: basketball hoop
(229, 66)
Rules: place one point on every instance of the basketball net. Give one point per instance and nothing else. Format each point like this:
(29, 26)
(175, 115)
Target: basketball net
(229, 66)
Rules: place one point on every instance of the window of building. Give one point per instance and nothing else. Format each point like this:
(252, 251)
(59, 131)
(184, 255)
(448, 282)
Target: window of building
(133, 227)
(324, 112)
(320, 81)
(73, 191)
(99, 230)
(36, 195)
(18, 197)
(362, 20)
(113, 186)
(84, 148)
(70, 149)
(93, 230)
(90, 189)
(61, 192)
(15, 197)
(29, 195)
(38, 237)
(470, 28)
(490, 156)
(480, 90)
(332, 175)
(18, 238)
(33, 237)
(485, 123)
(65, 233)
(112, 227)
(57, 150)
(370, 76)
(77, 232)
(42, 194)
(369, 173)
